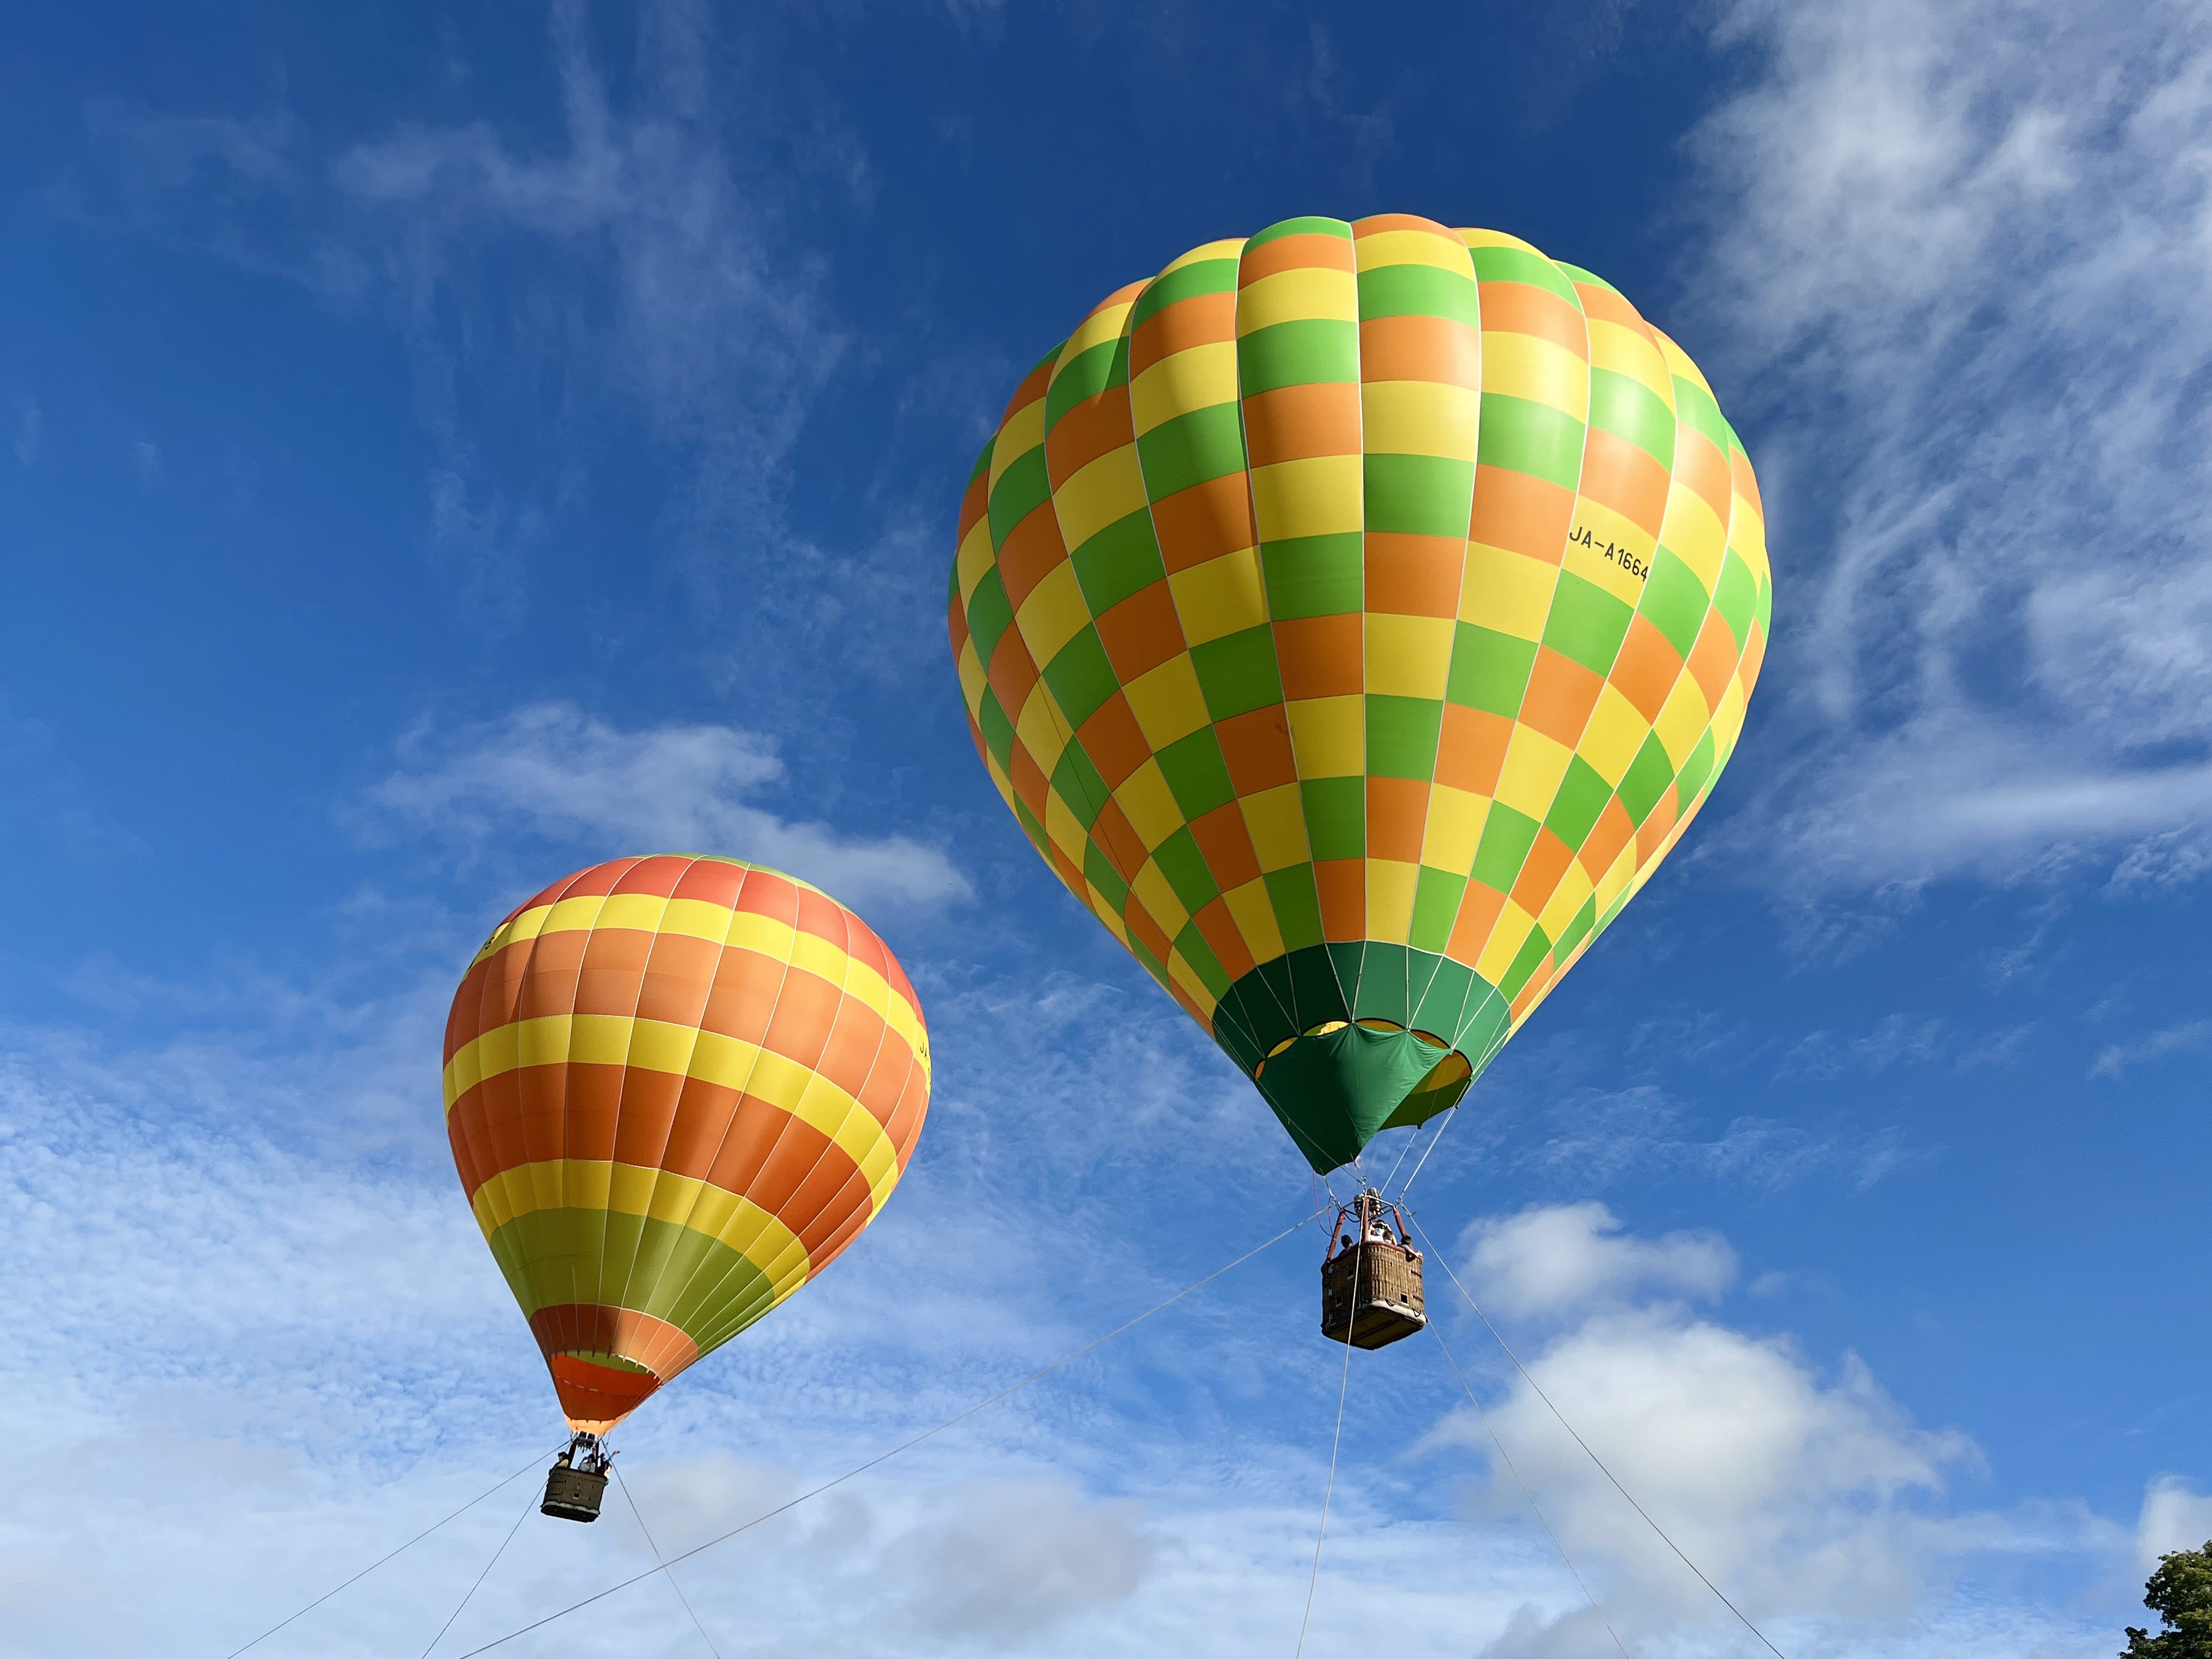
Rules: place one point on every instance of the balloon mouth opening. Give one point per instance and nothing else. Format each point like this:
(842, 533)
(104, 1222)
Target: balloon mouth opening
(1453, 1068)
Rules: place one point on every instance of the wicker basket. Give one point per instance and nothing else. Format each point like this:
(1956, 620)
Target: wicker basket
(572, 1494)
(1370, 1294)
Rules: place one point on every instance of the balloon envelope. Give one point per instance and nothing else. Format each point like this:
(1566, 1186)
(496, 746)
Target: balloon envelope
(676, 1088)
(1353, 617)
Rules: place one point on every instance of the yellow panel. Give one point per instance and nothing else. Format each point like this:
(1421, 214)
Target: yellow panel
(1320, 497)
(1023, 431)
(1408, 656)
(1101, 493)
(1411, 248)
(1197, 377)
(1041, 729)
(1064, 830)
(1290, 296)
(1575, 886)
(1632, 547)
(1506, 938)
(1678, 361)
(1053, 614)
(1534, 765)
(1150, 804)
(1328, 735)
(1692, 529)
(1167, 701)
(1616, 731)
(1508, 591)
(1187, 976)
(1728, 719)
(1227, 248)
(1526, 366)
(976, 557)
(1390, 885)
(1629, 351)
(1253, 912)
(1151, 887)
(1616, 878)
(1453, 830)
(1221, 597)
(1476, 236)
(1100, 326)
(1276, 821)
(1683, 720)
(1418, 418)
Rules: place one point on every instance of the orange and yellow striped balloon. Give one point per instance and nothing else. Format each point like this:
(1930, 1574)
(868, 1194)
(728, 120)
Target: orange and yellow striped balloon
(676, 1088)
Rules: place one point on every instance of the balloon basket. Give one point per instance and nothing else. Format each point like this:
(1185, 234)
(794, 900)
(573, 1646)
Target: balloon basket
(1370, 1279)
(577, 1480)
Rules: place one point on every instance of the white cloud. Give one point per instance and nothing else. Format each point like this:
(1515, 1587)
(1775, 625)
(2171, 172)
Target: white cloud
(1550, 1258)
(2175, 1516)
(1950, 283)
(1011, 1558)
(563, 774)
(2116, 1058)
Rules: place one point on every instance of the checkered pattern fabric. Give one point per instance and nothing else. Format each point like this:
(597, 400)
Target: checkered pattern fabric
(1353, 617)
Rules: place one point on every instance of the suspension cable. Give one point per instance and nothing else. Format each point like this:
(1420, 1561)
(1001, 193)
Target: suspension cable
(903, 1446)
(528, 1502)
(1336, 1441)
(650, 1544)
(381, 1559)
(1542, 1521)
(1537, 1388)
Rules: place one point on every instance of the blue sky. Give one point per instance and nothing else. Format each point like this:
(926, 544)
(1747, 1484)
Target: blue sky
(447, 447)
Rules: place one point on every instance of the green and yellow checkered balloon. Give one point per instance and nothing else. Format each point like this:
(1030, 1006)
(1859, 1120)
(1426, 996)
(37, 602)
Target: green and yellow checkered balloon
(1353, 617)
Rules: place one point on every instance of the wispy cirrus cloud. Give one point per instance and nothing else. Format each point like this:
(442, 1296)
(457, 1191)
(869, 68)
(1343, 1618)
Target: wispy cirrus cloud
(554, 773)
(1941, 284)
(2115, 1059)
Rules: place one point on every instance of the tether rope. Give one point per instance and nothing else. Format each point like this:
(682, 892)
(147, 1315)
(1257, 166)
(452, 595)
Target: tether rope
(1336, 1442)
(1537, 1388)
(1542, 1521)
(528, 1502)
(381, 1559)
(903, 1446)
(654, 1547)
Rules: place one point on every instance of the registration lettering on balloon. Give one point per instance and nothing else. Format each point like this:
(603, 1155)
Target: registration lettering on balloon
(1353, 616)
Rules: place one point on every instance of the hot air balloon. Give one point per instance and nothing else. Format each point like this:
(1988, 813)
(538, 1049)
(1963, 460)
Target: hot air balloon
(677, 1088)
(1353, 616)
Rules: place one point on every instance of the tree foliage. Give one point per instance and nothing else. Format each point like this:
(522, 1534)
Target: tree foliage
(2180, 1593)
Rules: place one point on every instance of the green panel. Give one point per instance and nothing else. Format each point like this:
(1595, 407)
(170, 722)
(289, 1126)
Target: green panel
(1205, 443)
(1196, 774)
(1078, 786)
(1513, 264)
(1309, 226)
(1442, 1003)
(1184, 867)
(1296, 905)
(1586, 623)
(1673, 599)
(1575, 274)
(1507, 836)
(1530, 957)
(1319, 989)
(1191, 945)
(1233, 1028)
(1578, 929)
(1118, 560)
(1314, 575)
(1336, 816)
(1021, 488)
(1401, 736)
(1735, 596)
(1143, 952)
(1236, 672)
(1522, 436)
(1412, 290)
(1435, 908)
(1085, 375)
(1484, 1026)
(1489, 670)
(1203, 276)
(1646, 779)
(1695, 771)
(1418, 494)
(1081, 678)
(989, 616)
(1629, 408)
(1099, 870)
(1380, 978)
(1309, 351)
(691, 1280)
(1033, 827)
(998, 730)
(1695, 408)
(1583, 795)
